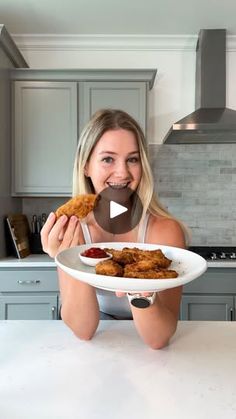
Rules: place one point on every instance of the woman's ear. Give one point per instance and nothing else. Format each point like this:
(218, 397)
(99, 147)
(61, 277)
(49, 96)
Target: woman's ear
(86, 170)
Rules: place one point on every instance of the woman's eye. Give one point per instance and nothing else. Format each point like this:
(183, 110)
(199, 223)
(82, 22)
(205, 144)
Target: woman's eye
(107, 159)
(133, 160)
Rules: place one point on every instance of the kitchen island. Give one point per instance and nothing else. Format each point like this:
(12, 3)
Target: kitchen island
(46, 372)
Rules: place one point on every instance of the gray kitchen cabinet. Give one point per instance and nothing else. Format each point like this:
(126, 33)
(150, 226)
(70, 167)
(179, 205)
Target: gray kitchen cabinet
(46, 120)
(45, 137)
(28, 307)
(207, 307)
(212, 296)
(29, 294)
(128, 96)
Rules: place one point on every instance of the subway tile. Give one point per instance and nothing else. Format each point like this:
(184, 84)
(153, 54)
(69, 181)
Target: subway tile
(171, 194)
(228, 170)
(220, 163)
(197, 184)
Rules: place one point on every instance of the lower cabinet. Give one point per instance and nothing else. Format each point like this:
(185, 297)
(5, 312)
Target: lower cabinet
(29, 294)
(33, 294)
(212, 296)
(28, 307)
(207, 307)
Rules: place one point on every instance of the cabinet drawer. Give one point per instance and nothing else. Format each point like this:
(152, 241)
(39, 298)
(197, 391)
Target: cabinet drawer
(15, 280)
(214, 281)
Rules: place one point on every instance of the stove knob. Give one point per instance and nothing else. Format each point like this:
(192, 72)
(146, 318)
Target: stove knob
(213, 256)
(233, 255)
(223, 255)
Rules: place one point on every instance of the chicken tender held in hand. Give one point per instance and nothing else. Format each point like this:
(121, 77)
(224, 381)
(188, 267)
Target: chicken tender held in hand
(80, 206)
(109, 268)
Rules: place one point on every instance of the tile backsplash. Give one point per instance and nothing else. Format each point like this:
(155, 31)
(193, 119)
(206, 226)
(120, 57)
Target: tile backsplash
(197, 183)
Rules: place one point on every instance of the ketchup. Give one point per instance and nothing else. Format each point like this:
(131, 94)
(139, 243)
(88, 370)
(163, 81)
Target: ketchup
(94, 252)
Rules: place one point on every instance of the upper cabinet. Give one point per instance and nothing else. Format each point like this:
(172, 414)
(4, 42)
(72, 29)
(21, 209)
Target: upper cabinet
(128, 96)
(45, 137)
(50, 109)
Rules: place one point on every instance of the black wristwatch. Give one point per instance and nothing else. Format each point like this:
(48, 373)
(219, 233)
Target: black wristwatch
(139, 301)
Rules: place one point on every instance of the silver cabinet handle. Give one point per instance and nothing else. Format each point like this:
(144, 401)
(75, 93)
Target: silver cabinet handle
(29, 281)
(53, 311)
(231, 314)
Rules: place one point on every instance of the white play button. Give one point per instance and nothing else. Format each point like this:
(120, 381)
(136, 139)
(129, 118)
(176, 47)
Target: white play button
(116, 209)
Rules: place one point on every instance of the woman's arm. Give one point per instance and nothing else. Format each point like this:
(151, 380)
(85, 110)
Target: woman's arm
(79, 302)
(79, 310)
(157, 323)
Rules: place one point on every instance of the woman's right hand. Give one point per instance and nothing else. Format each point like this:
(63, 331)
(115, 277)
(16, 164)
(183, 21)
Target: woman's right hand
(57, 235)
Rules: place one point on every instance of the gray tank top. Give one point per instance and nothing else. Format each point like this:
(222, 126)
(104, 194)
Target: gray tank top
(108, 302)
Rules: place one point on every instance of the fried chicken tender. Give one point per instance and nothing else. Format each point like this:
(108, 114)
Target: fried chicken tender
(126, 255)
(156, 256)
(136, 263)
(80, 206)
(121, 256)
(142, 265)
(109, 267)
(151, 274)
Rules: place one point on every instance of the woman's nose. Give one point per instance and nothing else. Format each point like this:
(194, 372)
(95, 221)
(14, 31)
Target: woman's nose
(122, 169)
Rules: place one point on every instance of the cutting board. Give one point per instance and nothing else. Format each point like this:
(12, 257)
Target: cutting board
(19, 231)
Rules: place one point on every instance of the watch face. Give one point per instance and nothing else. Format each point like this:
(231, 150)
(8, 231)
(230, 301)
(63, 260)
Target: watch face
(140, 302)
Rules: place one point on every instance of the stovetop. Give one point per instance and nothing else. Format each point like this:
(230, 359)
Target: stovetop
(215, 253)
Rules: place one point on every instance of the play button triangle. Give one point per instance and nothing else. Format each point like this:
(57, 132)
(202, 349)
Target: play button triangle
(116, 209)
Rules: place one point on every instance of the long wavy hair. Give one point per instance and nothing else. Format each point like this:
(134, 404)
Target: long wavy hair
(113, 119)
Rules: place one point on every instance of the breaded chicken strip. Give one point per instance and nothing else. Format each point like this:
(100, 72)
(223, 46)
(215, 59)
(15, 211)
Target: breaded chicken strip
(142, 265)
(80, 206)
(109, 267)
(130, 255)
(121, 256)
(151, 274)
(156, 256)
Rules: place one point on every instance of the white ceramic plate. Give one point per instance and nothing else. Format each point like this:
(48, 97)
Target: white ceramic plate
(189, 266)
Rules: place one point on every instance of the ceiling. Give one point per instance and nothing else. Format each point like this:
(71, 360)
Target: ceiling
(129, 17)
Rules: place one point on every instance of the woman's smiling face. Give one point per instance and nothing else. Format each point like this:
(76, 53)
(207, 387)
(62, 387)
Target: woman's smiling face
(115, 161)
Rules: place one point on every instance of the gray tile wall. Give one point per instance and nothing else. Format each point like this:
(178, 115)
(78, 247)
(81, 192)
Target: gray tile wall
(197, 183)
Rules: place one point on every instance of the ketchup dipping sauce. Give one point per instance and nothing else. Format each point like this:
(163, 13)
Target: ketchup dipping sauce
(94, 255)
(95, 252)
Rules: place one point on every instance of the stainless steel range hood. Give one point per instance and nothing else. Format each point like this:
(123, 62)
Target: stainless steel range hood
(212, 122)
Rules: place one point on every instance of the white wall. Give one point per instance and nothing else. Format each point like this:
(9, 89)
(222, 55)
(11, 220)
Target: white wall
(173, 94)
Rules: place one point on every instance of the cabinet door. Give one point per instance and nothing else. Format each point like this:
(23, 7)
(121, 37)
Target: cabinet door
(206, 307)
(127, 96)
(28, 307)
(45, 137)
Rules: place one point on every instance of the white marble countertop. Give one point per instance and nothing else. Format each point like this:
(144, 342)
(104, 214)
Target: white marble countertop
(31, 261)
(48, 373)
(41, 261)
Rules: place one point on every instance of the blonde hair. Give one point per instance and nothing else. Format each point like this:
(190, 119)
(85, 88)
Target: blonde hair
(113, 119)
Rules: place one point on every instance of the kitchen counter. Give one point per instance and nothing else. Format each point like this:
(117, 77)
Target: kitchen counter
(48, 373)
(31, 261)
(42, 261)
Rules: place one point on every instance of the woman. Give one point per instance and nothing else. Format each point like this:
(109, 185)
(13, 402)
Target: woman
(112, 152)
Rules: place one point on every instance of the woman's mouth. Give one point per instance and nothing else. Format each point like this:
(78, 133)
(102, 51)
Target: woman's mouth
(115, 185)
